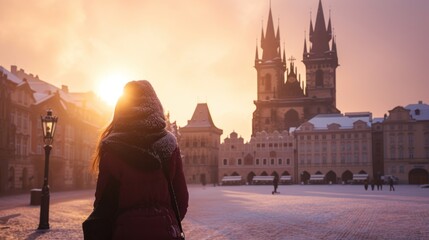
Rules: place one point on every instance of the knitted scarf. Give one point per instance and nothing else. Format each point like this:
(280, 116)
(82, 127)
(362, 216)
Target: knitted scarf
(138, 135)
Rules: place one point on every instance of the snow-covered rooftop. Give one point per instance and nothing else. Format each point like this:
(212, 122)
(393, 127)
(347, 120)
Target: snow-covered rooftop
(10, 75)
(419, 111)
(322, 121)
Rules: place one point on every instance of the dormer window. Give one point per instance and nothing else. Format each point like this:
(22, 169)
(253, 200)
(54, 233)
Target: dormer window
(417, 112)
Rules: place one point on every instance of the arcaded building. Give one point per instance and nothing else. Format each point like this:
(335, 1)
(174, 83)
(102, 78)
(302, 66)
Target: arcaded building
(406, 148)
(336, 146)
(267, 154)
(199, 145)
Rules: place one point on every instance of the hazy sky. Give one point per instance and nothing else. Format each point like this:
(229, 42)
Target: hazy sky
(197, 51)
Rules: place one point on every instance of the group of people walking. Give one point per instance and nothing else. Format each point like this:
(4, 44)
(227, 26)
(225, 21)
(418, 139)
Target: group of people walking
(379, 183)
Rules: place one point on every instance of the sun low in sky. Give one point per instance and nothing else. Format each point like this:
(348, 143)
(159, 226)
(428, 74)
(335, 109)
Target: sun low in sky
(110, 86)
(197, 51)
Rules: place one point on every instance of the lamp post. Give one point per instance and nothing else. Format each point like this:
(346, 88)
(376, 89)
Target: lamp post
(49, 123)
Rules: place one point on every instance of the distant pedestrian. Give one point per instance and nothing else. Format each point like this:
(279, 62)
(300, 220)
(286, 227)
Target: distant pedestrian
(372, 184)
(203, 180)
(275, 184)
(391, 184)
(365, 184)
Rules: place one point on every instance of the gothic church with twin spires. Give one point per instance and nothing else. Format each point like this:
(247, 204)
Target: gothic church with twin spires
(285, 101)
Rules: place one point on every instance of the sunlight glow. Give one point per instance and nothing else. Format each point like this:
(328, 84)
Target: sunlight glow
(110, 87)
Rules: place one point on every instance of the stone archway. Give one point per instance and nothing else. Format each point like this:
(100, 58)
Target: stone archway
(11, 178)
(418, 176)
(331, 176)
(347, 176)
(305, 176)
(250, 177)
(25, 184)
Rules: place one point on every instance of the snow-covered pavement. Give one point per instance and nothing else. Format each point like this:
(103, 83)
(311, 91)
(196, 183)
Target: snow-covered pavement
(252, 212)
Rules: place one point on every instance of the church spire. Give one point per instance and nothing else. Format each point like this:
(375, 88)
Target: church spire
(305, 46)
(256, 53)
(321, 36)
(270, 44)
(329, 26)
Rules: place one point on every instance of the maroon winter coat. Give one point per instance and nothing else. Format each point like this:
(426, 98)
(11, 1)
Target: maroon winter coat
(145, 210)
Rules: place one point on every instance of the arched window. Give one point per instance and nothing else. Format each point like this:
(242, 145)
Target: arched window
(319, 78)
(291, 119)
(267, 82)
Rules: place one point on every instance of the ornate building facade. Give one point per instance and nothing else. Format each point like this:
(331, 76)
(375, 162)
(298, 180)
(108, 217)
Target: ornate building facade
(81, 115)
(406, 148)
(282, 102)
(199, 144)
(336, 146)
(265, 155)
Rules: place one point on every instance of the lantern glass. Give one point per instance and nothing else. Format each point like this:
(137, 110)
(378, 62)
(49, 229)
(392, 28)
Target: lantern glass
(48, 125)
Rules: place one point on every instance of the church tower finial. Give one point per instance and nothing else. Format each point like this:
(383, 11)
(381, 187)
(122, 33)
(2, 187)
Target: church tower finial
(270, 43)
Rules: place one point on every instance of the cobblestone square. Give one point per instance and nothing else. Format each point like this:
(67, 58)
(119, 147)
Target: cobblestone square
(252, 212)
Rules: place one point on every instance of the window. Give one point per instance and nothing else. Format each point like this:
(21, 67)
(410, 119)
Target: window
(257, 161)
(410, 139)
(280, 161)
(334, 158)
(264, 162)
(225, 162)
(288, 161)
(272, 161)
(319, 78)
(267, 81)
(239, 162)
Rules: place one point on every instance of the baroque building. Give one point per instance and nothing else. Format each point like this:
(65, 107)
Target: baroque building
(265, 155)
(81, 115)
(336, 146)
(282, 102)
(406, 148)
(199, 145)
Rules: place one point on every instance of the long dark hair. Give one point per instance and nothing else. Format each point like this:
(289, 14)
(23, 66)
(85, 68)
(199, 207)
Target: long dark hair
(97, 154)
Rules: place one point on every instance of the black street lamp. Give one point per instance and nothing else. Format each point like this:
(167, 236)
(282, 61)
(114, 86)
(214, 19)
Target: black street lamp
(49, 123)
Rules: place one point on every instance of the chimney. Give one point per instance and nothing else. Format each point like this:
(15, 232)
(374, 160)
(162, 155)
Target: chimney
(65, 88)
(420, 102)
(13, 69)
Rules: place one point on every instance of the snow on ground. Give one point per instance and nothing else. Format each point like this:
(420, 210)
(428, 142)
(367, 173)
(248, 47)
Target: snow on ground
(252, 212)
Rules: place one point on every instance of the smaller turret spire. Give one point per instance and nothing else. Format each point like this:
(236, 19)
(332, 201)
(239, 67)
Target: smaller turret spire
(311, 28)
(305, 46)
(284, 54)
(329, 30)
(256, 53)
